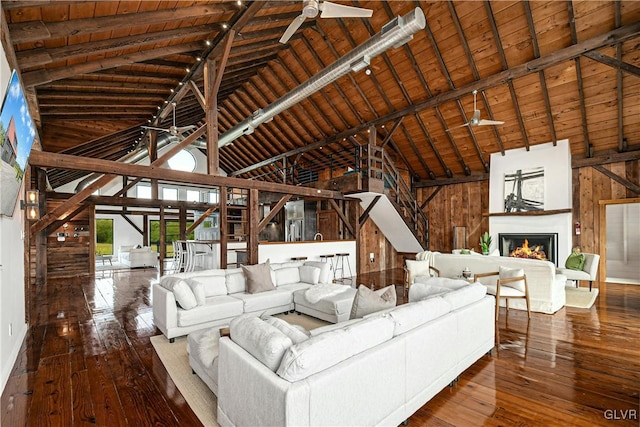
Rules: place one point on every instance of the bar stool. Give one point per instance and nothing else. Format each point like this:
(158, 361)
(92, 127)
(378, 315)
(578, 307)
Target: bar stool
(179, 256)
(195, 258)
(328, 258)
(298, 258)
(340, 266)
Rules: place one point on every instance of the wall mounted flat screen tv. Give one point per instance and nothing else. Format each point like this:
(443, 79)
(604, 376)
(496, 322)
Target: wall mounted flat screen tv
(17, 133)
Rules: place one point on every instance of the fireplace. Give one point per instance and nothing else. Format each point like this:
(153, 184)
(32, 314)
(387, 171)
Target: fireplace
(530, 245)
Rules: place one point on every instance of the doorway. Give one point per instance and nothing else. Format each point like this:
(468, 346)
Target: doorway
(623, 242)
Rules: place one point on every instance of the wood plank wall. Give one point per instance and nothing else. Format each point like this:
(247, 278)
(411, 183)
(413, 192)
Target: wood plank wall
(74, 256)
(464, 205)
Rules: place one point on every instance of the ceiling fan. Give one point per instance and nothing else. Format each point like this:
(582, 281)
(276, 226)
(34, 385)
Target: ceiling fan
(173, 129)
(310, 9)
(475, 119)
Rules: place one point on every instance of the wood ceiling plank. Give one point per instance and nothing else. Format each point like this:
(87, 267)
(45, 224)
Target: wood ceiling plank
(37, 30)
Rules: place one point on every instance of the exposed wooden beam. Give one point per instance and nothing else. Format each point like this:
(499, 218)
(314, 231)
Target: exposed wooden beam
(41, 56)
(619, 179)
(33, 31)
(273, 212)
(65, 161)
(431, 196)
(342, 216)
(365, 214)
(42, 76)
(454, 180)
(131, 223)
(613, 62)
(200, 220)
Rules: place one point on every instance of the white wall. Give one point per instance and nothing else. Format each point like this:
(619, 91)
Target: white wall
(12, 304)
(556, 161)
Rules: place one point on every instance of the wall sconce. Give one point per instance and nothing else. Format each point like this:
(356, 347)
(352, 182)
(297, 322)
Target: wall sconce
(31, 205)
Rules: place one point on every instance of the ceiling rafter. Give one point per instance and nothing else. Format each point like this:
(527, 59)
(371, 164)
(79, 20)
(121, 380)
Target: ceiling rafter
(543, 80)
(476, 76)
(583, 110)
(33, 31)
(445, 73)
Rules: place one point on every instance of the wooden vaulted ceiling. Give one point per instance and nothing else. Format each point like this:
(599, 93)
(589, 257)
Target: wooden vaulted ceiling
(96, 71)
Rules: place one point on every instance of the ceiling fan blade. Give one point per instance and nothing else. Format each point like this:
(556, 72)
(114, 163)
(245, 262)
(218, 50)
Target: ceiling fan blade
(457, 127)
(292, 28)
(185, 128)
(484, 122)
(334, 10)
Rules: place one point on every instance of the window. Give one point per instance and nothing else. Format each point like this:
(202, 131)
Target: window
(104, 236)
(169, 193)
(213, 197)
(143, 191)
(193, 196)
(172, 234)
(183, 161)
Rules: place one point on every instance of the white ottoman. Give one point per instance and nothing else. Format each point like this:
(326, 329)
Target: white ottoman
(202, 347)
(334, 309)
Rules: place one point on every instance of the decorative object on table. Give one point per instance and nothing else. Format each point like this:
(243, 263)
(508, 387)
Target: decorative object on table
(466, 273)
(485, 243)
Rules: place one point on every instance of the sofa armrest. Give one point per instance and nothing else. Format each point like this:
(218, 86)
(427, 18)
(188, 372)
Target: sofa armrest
(165, 309)
(245, 383)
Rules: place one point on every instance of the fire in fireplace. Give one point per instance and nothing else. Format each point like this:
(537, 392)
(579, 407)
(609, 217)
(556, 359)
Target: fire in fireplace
(529, 245)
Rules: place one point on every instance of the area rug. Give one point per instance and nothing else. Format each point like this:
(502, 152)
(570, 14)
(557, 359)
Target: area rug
(110, 266)
(199, 397)
(580, 297)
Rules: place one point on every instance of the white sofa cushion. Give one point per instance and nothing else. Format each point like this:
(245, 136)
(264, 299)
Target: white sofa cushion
(295, 332)
(198, 290)
(262, 301)
(216, 308)
(181, 290)
(310, 274)
(260, 339)
(214, 284)
(465, 296)
(325, 350)
(235, 280)
(426, 287)
(410, 316)
(325, 270)
(287, 275)
(368, 301)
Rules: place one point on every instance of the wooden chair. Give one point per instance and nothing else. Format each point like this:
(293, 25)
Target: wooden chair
(502, 290)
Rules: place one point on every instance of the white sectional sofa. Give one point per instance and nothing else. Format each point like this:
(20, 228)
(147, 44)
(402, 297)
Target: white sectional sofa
(373, 371)
(546, 288)
(225, 297)
(137, 257)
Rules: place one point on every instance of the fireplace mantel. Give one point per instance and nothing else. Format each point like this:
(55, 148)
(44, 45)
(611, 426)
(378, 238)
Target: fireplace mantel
(530, 213)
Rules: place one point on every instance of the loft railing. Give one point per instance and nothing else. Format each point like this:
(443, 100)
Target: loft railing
(376, 169)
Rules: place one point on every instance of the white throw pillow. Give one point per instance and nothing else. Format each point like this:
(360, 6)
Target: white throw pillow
(325, 270)
(236, 281)
(297, 335)
(287, 275)
(214, 285)
(309, 274)
(181, 291)
(367, 301)
(198, 290)
(510, 273)
(325, 350)
(417, 268)
(263, 341)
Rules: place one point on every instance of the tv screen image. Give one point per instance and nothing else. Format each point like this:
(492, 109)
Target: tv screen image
(17, 133)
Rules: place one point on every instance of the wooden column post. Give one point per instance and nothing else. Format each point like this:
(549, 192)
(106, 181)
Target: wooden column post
(222, 206)
(146, 237)
(211, 101)
(162, 240)
(153, 156)
(41, 237)
(253, 221)
(182, 218)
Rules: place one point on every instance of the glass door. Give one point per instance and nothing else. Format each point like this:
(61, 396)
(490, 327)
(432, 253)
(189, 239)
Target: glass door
(623, 243)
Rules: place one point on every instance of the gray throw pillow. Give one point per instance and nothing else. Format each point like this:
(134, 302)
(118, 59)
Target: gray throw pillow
(367, 301)
(258, 278)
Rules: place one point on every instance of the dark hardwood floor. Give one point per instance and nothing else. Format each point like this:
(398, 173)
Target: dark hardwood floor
(87, 360)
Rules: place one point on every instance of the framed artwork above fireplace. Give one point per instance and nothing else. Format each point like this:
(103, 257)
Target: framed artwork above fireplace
(524, 190)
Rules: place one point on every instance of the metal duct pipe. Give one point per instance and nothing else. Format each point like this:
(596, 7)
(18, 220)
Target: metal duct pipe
(394, 34)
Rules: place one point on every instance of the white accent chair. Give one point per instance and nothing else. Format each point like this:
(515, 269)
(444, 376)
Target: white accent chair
(589, 270)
